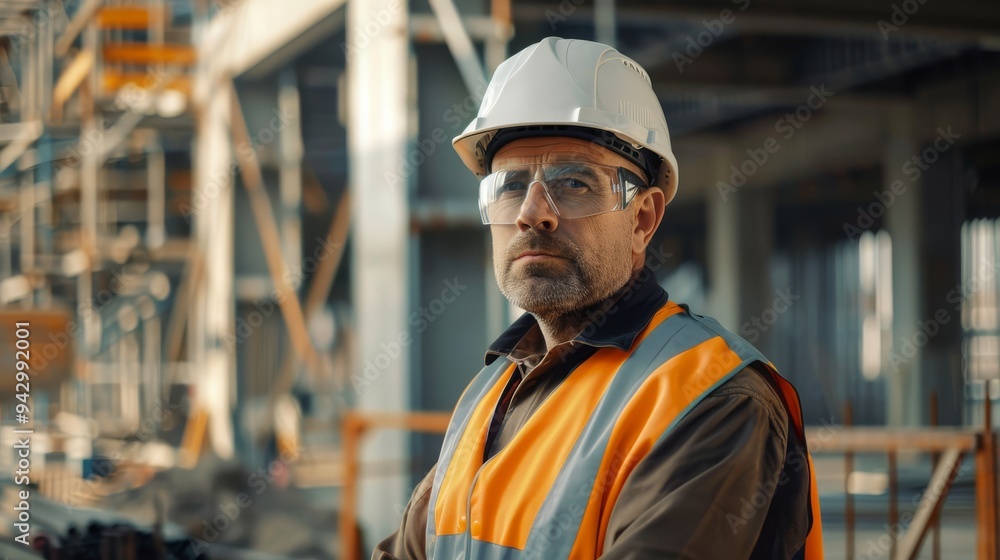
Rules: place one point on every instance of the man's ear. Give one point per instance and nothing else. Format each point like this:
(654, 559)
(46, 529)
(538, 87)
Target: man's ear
(649, 207)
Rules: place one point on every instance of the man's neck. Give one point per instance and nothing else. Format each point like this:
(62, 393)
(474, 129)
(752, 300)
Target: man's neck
(563, 328)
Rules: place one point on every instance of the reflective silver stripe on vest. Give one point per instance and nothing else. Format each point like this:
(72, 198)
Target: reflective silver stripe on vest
(477, 390)
(736, 343)
(452, 547)
(747, 352)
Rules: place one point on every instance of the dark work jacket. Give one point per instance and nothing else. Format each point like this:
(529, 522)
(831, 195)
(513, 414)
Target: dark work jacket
(719, 486)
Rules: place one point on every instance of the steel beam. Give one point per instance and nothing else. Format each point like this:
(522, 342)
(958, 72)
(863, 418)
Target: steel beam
(961, 19)
(260, 36)
(930, 503)
(460, 45)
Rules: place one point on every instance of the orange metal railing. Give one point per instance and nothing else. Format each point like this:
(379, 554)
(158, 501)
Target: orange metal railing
(947, 447)
(355, 426)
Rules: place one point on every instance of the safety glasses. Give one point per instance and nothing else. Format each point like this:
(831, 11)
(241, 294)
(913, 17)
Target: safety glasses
(572, 189)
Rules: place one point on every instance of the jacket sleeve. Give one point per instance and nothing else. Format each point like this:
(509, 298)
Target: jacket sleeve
(407, 543)
(705, 491)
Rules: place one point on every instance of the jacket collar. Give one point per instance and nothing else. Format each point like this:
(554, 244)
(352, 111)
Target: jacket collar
(615, 322)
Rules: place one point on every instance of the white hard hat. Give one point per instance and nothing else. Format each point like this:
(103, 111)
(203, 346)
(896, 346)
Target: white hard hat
(570, 87)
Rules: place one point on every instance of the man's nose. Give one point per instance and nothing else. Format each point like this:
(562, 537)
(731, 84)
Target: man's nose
(536, 210)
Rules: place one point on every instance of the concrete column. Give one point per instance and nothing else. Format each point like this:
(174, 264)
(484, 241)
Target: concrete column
(758, 311)
(903, 221)
(214, 310)
(723, 242)
(377, 136)
(740, 243)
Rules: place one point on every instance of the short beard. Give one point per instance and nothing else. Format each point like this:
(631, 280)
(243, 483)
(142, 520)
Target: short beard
(555, 292)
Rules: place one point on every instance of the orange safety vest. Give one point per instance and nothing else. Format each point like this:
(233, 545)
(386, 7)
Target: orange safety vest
(549, 493)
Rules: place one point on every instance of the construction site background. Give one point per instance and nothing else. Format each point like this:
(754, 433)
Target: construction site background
(243, 277)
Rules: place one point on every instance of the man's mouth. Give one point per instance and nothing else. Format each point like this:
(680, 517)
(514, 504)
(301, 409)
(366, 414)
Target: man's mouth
(530, 256)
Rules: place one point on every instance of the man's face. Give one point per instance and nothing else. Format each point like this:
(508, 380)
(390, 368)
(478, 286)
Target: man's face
(551, 266)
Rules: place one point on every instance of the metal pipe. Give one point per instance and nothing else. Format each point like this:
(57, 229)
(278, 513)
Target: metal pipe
(185, 297)
(151, 361)
(930, 503)
(76, 25)
(351, 431)
(291, 152)
(935, 459)
(29, 81)
(849, 498)
(460, 45)
(986, 483)
(27, 200)
(46, 39)
(605, 25)
(156, 174)
(6, 249)
(496, 45)
(893, 503)
(88, 212)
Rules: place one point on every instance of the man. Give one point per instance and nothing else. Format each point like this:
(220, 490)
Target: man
(609, 421)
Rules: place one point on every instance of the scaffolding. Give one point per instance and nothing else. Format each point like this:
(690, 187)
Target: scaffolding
(87, 89)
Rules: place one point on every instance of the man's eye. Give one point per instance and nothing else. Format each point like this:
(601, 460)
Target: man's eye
(570, 184)
(511, 187)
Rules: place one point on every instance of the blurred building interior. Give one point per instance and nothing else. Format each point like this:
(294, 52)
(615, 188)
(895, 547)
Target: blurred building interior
(250, 258)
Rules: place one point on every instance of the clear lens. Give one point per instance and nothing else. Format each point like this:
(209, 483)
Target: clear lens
(571, 189)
